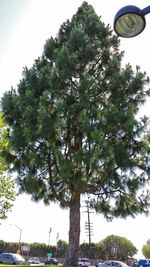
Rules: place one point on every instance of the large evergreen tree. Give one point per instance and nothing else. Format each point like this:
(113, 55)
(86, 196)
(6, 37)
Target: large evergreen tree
(74, 125)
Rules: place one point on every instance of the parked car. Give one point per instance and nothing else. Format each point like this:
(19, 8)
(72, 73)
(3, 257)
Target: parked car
(84, 262)
(11, 258)
(112, 263)
(34, 260)
(51, 261)
(142, 263)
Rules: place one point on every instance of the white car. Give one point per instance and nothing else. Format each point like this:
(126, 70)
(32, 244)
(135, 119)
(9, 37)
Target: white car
(34, 260)
(112, 263)
(84, 262)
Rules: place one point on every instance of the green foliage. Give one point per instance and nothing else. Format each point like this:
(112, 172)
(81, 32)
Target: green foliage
(116, 247)
(146, 250)
(3, 143)
(7, 195)
(111, 247)
(36, 249)
(7, 186)
(62, 247)
(74, 126)
(91, 251)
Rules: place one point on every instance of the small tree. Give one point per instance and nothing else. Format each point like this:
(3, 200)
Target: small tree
(7, 186)
(146, 250)
(62, 247)
(74, 126)
(116, 247)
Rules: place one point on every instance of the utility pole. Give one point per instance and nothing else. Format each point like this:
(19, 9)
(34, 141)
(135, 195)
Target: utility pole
(49, 233)
(57, 236)
(89, 226)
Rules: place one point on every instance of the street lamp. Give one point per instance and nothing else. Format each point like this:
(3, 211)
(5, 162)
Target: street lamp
(20, 233)
(130, 21)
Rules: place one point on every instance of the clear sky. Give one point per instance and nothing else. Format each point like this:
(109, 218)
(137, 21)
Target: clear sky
(25, 25)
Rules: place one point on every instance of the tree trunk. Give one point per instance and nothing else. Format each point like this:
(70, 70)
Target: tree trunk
(74, 231)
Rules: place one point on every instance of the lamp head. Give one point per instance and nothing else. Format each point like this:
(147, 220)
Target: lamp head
(129, 21)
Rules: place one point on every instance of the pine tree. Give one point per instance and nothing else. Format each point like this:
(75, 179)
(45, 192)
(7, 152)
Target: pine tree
(74, 125)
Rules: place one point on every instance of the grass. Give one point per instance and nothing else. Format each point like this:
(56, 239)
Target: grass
(27, 265)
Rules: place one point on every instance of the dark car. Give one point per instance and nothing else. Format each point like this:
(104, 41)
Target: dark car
(51, 261)
(11, 258)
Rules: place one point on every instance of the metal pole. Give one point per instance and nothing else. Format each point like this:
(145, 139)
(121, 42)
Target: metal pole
(88, 226)
(57, 238)
(57, 243)
(146, 10)
(20, 234)
(50, 230)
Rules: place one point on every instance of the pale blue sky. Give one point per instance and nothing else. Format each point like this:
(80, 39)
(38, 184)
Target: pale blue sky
(24, 27)
(11, 13)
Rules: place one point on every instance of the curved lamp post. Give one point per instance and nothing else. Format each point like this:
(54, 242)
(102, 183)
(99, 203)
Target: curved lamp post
(20, 233)
(130, 21)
